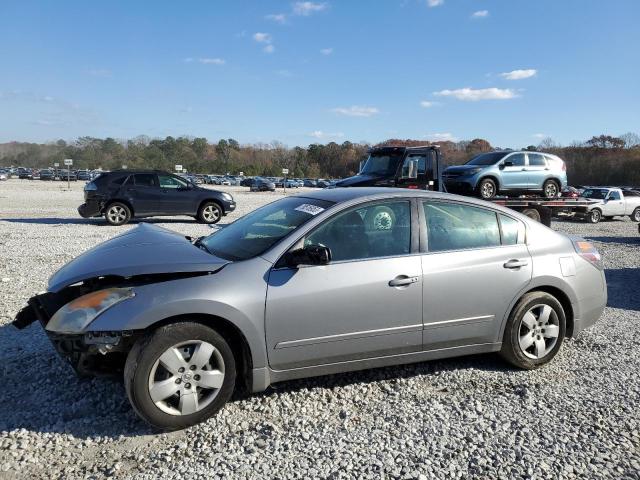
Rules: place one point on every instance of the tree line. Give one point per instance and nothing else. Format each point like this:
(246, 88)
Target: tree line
(603, 159)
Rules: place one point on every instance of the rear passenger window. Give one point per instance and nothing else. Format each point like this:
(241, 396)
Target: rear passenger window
(512, 230)
(536, 160)
(458, 227)
(145, 179)
(119, 180)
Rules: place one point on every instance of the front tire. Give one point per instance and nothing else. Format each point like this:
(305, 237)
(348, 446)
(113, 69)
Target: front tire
(117, 214)
(535, 331)
(487, 189)
(635, 216)
(179, 375)
(210, 213)
(595, 216)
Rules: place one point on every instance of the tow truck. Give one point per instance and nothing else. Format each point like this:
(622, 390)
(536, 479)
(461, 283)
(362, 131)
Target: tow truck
(421, 168)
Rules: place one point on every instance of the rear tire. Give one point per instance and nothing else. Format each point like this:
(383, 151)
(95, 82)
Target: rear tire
(210, 213)
(635, 216)
(117, 214)
(550, 189)
(178, 387)
(594, 216)
(487, 189)
(532, 213)
(535, 331)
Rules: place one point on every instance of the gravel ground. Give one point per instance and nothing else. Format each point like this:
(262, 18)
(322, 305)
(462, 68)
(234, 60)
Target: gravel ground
(471, 417)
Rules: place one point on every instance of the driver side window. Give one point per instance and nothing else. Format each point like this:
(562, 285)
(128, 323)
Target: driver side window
(374, 230)
(169, 181)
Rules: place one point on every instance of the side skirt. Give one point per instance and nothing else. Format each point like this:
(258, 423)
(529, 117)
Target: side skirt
(263, 377)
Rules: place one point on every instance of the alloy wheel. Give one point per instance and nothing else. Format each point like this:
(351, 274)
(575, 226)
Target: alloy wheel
(186, 377)
(117, 214)
(539, 331)
(487, 190)
(210, 213)
(551, 190)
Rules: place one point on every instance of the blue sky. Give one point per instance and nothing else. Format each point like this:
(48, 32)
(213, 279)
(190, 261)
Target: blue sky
(304, 72)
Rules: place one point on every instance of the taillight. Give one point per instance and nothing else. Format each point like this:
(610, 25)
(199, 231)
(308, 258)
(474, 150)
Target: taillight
(589, 252)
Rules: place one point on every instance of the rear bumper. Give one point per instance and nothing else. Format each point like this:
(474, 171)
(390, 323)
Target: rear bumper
(90, 209)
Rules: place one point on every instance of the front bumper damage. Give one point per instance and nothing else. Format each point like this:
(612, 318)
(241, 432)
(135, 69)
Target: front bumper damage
(90, 353)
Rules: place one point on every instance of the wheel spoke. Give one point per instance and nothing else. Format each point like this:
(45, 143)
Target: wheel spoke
(188, 403)
(540, 347)
(526, 341)
(172, 360)
(544, 315)
(201, 354)
(211, 379)
(529, 320)
(163, 389)
(551, 331)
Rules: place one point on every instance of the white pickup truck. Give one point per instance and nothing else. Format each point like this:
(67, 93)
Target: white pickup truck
(608, 203)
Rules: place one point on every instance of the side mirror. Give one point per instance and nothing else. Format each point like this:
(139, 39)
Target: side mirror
(410, 169)
(507, 163)
(309, 255)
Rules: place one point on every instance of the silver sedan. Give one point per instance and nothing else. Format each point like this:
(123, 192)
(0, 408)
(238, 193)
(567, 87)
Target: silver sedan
(323, 282)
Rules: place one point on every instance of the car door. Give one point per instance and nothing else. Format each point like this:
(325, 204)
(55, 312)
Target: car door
(367, 302)
(613, 204)
(537, 171)
(177, 196)
(475, 263)
(513, 172)
(141, 189)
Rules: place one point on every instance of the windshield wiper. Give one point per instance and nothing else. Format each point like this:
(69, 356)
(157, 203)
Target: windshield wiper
(201, 245)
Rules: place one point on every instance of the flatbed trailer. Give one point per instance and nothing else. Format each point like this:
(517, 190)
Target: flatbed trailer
(541, 209)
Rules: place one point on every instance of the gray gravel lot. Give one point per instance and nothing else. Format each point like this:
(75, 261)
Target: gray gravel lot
(460, 418)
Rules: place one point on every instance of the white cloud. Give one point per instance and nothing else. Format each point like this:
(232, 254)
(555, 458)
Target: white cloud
(434, 3)
(540, 135)
(326, 51)
(262, 37)
(356, 111)
(212, 61)
(476, 94)
(307, 8)
(277, 17)
(427, 104)
(480, 14)
(269, 49)
(519, 74)
(320, 135)
(441, 137)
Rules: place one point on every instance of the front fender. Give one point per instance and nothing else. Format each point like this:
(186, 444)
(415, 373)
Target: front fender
(236, 294)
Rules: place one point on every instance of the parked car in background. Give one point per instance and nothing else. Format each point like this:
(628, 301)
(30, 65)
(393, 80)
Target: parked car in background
(68, 174)
(323, 183)
(3, 176)
(246, 181)
(309, 182)
(262, 185)
(570, 192)
(609, 203)
(508, 172)
(325, 282)
(83, 175)
(125, 194)
(47, 174)
(25, 174)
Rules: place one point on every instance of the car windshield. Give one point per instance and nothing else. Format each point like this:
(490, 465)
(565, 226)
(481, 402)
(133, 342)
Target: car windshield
(381, 164)
(596, 193)
(487, 158)
(258, 231)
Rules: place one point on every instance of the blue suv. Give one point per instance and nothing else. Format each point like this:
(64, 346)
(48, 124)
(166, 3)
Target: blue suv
(490, 174)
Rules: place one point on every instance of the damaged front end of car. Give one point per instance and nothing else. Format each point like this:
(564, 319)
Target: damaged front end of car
(66, 316)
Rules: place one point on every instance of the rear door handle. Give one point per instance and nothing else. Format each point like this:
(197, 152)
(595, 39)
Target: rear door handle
(515, 263)
(402, 280)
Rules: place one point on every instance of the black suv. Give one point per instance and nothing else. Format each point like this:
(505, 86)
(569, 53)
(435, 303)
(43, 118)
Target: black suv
(124, 194)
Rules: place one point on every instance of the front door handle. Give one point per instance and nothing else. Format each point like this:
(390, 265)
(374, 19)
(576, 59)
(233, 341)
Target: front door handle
(402, 280)
(515, 263)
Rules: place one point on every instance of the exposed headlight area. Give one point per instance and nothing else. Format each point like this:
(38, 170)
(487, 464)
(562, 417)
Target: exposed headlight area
(227, 197)
(75, 316)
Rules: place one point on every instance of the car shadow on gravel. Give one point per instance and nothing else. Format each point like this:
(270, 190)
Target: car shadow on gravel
(41, 393)
(622, 288)
(620, 240)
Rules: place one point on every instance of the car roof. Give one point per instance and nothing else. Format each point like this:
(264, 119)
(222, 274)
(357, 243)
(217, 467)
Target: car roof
(346, 194)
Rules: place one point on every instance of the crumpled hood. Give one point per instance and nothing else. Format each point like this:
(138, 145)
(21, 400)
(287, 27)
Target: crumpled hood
(143, 250)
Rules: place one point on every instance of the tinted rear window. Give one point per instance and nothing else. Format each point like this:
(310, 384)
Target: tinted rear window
(145, 179)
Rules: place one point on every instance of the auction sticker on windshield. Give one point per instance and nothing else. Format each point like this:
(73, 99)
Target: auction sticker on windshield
(310, 209)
